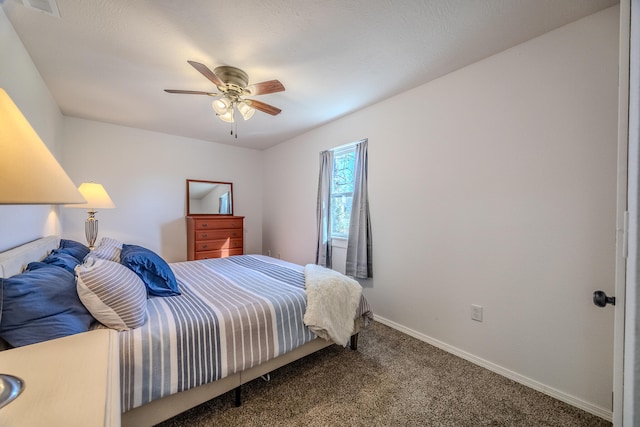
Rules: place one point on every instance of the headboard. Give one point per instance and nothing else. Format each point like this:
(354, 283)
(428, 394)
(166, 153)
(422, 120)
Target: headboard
(15, 260)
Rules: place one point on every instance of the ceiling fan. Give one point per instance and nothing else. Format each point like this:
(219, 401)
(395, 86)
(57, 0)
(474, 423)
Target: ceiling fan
(233, 87)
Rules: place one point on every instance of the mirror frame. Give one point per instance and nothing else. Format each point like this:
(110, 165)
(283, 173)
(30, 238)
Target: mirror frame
(230, 184)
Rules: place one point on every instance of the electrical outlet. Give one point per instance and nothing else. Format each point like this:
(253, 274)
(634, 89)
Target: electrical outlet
(476, 312)
(268, 252)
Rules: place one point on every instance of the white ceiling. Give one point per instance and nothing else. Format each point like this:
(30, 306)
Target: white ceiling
(109, 60)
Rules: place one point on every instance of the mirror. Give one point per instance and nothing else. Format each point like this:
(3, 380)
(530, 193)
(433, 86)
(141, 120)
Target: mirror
(209, 197)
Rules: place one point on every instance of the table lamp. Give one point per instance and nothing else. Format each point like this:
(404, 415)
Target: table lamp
(97, 198)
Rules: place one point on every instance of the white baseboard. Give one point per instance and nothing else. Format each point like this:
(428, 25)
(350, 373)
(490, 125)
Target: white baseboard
(550, 391)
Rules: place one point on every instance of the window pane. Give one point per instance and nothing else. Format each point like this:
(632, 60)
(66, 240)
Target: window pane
(340, 215)
(342, 191)
(343, 166)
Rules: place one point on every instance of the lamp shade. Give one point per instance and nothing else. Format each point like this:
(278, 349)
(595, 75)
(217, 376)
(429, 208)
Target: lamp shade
(221, 106)
(246, 111)
(96, 195)
(228, 116)
(29, 174)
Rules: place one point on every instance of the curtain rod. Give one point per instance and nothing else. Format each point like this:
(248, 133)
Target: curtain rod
(342, 147)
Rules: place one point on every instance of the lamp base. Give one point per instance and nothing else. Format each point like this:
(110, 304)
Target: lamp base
(10, 388)
(91, 229)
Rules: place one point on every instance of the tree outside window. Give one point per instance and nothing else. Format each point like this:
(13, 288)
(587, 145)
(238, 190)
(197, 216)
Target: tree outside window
(342, 191)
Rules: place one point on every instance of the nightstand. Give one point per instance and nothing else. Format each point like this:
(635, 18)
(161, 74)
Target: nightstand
(70, 381)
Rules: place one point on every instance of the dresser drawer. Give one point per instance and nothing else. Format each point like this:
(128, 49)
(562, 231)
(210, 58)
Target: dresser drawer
(210, 245)
(214, 236)
(217, 223)
(218, 254)
(233, 233)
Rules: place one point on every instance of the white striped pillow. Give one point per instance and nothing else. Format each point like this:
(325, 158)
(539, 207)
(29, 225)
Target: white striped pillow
(113, 294)
(107, 249)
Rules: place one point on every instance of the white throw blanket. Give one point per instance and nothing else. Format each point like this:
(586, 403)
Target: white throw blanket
(332, 302)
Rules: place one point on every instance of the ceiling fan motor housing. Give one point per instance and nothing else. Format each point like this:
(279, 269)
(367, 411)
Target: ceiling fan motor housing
(234, 78)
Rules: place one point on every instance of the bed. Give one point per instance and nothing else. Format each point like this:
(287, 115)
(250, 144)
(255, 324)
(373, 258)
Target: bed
(236, 319)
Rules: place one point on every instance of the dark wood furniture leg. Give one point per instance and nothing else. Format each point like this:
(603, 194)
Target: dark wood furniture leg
(238, 396)
(354, 342)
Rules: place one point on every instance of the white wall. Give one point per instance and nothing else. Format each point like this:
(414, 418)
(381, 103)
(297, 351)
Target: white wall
(145, 174)
(21, 80)
(494, 185)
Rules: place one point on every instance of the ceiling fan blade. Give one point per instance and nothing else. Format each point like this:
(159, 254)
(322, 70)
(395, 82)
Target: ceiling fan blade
(192, 92)
(263, 88)
(205, 71)
(265, 108)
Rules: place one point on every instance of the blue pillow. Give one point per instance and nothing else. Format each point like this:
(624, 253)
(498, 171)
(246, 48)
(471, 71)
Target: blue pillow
(73, 248)
(42, 304)
(34, 266)
(61, 259)
(153, 270)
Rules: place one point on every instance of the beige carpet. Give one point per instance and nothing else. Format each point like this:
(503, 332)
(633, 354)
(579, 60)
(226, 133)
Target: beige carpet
(392, 380)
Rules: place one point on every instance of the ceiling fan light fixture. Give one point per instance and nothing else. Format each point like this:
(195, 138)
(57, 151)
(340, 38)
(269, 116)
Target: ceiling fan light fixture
(228, 116)
(222, 106)
(246, 111)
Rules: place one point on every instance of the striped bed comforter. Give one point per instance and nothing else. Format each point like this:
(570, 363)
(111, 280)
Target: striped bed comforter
(234, 313)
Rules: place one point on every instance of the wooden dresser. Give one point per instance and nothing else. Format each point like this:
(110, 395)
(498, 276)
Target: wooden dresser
(214, 236)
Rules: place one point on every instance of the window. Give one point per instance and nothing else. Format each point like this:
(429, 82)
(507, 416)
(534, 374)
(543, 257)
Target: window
(342, 182)
(342, 190)
(225, 204)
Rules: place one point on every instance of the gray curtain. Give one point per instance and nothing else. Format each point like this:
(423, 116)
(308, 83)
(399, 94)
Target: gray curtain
(359, 245)
(323, 210)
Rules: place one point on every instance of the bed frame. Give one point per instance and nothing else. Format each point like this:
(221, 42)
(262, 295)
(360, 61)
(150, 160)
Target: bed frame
(15, 260)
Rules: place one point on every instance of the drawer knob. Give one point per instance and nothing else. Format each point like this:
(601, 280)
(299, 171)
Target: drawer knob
(204, 235)
(205, 225)
(205, 246)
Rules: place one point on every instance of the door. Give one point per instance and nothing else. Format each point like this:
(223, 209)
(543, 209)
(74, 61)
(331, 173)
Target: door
(624, 382)
(622, 215)
(630, 405)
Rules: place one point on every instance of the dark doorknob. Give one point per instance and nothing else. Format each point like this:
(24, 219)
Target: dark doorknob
(601, 299)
